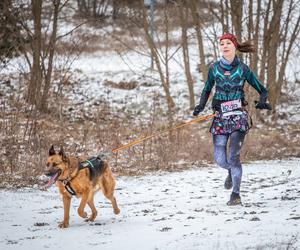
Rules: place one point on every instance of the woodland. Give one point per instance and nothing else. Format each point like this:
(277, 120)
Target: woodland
(42, 40)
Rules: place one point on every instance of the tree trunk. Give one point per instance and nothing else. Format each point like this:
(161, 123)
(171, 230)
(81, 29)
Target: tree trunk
(155, 55)
(285, 58)
(198, 26)
(226, 30)
(237, 16)
(44, 100)
(166, 62)
(183, 13)
(256, 36)
(272, 53)
(116, 8)
(266, 38)
(36, 72)
(250, 92)
(250, 27)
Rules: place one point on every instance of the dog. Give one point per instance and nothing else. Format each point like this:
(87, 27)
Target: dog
(76, 177)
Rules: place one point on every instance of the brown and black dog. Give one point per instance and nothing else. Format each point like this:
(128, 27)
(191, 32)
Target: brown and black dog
(74, 180)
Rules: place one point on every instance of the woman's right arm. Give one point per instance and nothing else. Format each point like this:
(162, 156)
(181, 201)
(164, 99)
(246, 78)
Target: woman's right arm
(210, 82)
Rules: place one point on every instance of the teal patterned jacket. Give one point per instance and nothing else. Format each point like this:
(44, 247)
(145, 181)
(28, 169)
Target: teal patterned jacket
(229, 81)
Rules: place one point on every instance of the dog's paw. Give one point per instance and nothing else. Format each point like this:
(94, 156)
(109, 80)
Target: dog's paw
(82, 214)
(90, 219)
(63, 225)
(117, 211)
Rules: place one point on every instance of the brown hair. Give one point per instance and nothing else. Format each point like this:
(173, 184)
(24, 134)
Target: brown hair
(246, 47)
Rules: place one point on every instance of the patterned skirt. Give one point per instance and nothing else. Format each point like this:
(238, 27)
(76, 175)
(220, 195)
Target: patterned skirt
(223, 125)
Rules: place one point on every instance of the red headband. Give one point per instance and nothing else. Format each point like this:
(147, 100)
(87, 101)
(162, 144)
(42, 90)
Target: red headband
(231, 37)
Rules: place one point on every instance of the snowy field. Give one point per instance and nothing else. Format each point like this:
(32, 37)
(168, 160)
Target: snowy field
(182, 210)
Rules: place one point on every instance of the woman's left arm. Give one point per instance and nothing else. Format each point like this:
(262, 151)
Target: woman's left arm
(256, 84)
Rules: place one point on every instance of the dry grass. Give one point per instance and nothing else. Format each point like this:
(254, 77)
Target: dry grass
(26, 137)
(121, 85)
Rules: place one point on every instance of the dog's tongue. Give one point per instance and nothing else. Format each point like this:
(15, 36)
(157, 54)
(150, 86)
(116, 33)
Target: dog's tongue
(51, 180)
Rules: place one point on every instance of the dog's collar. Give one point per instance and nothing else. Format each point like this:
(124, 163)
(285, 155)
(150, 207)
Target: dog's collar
(67, 182)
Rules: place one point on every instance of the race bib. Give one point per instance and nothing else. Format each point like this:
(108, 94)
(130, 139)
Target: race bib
(231, 105)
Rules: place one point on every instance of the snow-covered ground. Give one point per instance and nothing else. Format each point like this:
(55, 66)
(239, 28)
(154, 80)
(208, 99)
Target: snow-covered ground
(182, 210)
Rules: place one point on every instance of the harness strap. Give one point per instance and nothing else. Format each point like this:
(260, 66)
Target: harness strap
(67, 186)
(67, 182)
(69, 189)
(91, 164)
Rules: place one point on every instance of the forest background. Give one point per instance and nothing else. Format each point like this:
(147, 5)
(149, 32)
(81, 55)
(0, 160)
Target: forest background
(92, 75)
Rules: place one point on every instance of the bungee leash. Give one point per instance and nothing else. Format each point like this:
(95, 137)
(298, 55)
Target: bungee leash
(144, 138)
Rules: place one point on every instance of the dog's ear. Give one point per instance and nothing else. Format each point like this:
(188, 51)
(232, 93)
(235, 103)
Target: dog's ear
(52, 151)
(62, 154)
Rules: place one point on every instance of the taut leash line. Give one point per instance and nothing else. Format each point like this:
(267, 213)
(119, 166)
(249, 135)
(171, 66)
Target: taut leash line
(144, 138)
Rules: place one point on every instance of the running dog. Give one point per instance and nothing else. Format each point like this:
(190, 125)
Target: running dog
(75, 177)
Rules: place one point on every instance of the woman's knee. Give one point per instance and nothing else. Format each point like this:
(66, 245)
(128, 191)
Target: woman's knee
(221, 159)
(234, 159)
(220, 152)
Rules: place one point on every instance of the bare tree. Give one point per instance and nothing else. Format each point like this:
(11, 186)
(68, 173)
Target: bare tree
(255, 37)
(42, 49)
(288, 36)
(36, 71)
(199, 27)
(93, 8)
(183, 13)
(236, 11)
(11, 40)
(272, 60)
(50, 55)
(157, 61)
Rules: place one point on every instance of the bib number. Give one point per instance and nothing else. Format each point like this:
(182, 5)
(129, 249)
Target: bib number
(231, 105)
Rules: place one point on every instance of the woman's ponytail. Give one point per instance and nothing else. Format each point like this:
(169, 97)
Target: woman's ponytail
(246, 47)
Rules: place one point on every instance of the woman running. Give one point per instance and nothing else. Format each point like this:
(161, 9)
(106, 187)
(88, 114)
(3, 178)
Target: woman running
(228, 75)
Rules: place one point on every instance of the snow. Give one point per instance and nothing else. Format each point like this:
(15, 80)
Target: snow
(180, 210)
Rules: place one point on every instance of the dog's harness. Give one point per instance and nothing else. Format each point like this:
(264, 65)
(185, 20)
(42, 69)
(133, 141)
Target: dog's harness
(94, 164)
(67, 185)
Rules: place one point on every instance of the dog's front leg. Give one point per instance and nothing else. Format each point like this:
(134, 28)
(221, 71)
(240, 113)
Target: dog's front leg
(67, 202)
(82, 206)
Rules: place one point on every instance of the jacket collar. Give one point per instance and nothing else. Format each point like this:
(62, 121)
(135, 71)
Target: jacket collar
(227, 65)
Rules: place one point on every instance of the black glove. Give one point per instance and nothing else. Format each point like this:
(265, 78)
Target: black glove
(197, 110)
(262, 105)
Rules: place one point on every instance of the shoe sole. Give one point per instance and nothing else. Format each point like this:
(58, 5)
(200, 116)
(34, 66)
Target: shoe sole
(235, 203)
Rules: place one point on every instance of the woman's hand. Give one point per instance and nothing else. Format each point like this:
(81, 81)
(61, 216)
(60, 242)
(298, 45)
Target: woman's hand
(262, 105)
(197, 110)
